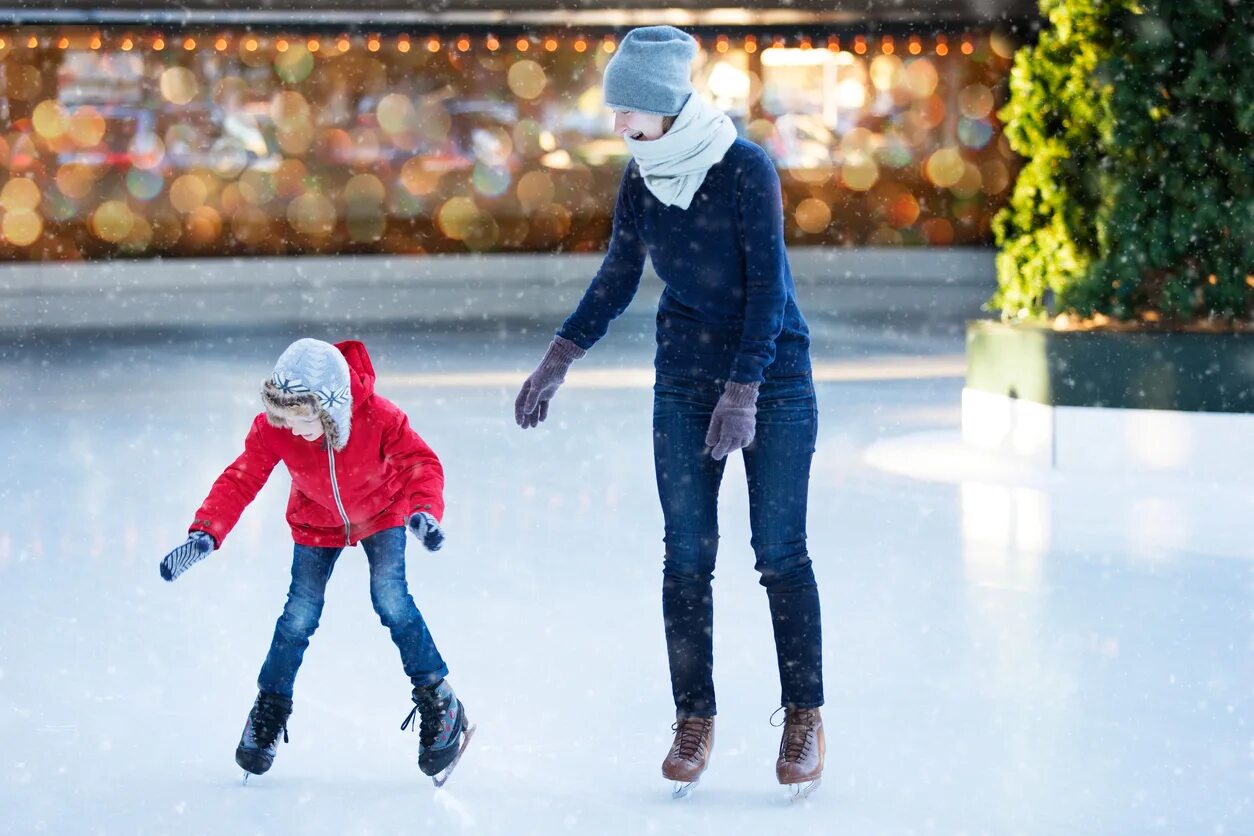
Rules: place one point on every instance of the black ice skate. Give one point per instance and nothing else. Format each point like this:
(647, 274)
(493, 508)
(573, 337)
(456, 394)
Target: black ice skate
(260, 740)
(443, 730)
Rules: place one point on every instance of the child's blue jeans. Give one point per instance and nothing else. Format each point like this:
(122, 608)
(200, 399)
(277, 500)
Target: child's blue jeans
(311, 569)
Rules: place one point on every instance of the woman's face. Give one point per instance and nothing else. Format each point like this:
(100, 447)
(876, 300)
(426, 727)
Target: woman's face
(641, 126)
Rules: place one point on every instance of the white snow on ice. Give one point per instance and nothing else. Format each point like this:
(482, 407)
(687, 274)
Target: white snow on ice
(1001, 657)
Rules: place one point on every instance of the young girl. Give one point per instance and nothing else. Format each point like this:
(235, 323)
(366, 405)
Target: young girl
(360, 474)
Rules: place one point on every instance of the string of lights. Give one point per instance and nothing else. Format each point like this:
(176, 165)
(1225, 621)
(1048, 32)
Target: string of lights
(328, 46)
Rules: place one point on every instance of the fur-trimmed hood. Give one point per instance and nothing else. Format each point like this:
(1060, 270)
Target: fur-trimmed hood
(313, 377)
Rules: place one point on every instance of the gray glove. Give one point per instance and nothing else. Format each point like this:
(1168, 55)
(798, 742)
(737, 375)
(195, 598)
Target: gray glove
(735, 416)
(532, 404)
(195, 549)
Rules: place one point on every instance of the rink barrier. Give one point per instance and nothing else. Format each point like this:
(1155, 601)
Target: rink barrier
(176, 293)
(1086, 400)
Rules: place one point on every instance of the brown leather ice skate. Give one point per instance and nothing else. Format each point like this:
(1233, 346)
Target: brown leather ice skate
(801, 750)
(689, 754)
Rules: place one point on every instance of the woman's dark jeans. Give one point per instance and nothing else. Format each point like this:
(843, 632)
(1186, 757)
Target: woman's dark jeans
(777, 465)
(311, 569)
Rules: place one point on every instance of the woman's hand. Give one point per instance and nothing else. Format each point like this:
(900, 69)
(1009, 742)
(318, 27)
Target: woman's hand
(734, 419)
(532, 404)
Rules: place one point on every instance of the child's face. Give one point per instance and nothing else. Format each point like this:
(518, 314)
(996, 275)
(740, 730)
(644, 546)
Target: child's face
(308, 428)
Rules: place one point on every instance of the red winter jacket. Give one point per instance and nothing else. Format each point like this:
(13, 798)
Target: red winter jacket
(384, 473)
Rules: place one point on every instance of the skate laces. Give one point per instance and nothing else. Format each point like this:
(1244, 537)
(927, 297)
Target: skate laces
(798, 726)
(690, 736)
(429, 708)
(269, 718)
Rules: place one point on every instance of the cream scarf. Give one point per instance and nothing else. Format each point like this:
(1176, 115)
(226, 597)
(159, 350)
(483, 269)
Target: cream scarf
(674, 165)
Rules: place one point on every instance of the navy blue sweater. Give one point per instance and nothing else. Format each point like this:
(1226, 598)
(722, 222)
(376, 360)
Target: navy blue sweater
(729, 309)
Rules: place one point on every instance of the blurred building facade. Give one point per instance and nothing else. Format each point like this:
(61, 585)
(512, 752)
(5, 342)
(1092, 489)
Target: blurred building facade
(238, 129)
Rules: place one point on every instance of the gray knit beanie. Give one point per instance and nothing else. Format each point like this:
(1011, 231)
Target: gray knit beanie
(311, 378)
(652, 71)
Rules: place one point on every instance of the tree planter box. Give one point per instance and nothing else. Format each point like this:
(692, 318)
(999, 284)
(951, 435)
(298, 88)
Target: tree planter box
(1111, 399)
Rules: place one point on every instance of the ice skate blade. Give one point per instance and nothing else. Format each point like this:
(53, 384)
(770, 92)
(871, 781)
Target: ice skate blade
(441, 777)
(800, 792)
(682, 789)
(246, 776)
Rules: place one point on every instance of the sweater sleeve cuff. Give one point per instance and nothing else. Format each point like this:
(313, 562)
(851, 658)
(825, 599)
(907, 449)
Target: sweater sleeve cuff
(740, 394)
(563, 351)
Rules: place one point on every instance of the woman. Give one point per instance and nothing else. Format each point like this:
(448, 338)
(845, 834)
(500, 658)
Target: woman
(733, 372)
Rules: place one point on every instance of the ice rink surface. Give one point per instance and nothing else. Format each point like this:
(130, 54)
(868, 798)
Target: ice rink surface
(982, 676)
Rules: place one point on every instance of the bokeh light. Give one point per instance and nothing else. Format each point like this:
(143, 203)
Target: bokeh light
(551, 223)
(364, 191)
(87, 127)
(179, 85)
(976, 101)
(970, 184)
(996, 177)
(312, 214)
(527, 79)
(813, 215)
(294, 64)
(859, 172)
(490, 181)
(417, 179)
(289, 107)
(139, 239)
(289, 179)
(535, 188)
(146, 150)
(974, 134)
(532, 140)
(51, 119)
(257, 187)
(112, 221)
(921, 78)
(22, 228)
(945, 167)
(886, 71)
(456, 217)
(203, 225)
(76, 180)
(188, 192)
(20, 195)
(396, 113)
(939, 232)
(902, 210)
(929, 112)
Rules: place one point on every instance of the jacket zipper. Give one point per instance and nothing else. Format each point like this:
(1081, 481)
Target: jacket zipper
(335, 490)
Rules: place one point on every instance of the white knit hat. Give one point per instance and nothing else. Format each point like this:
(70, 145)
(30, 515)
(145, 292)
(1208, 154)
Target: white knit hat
(312, 375)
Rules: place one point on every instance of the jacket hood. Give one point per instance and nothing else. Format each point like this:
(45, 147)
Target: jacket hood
(360, 370)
